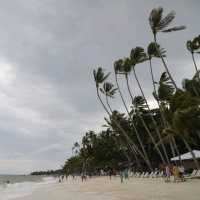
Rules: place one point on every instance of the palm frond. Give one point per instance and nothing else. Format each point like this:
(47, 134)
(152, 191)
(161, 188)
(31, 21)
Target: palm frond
(159, 23)
(176, 28)
(138, 55)
(155, 50)
(164, 22)
(118, 65)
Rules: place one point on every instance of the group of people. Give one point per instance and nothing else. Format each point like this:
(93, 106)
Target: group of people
(176, 171)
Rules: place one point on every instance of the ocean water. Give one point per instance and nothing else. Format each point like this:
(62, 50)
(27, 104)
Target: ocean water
(20, 186)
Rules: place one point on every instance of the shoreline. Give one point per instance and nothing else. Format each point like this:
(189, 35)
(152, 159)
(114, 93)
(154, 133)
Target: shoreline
(101, 188)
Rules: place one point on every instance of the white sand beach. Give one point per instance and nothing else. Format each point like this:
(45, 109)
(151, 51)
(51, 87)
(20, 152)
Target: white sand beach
(104, 189)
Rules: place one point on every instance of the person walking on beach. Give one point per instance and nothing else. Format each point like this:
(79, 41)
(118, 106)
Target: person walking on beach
(110, 173)
(121, 176)
(181, 172)
(126, 174)
(168, 173)
(176, 173)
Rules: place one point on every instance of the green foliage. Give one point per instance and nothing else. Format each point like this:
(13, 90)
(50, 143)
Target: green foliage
(99, 76)
(177, 117)
(166, 88)
(153, 49)
(159, 23)
(108, 89)
(194, 45)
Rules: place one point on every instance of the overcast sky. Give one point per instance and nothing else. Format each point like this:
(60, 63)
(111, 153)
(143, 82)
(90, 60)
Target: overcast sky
(48, 49)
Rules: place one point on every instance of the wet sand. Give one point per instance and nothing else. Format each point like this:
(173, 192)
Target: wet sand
(104, 189)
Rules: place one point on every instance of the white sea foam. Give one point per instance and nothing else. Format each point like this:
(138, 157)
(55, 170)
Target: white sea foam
(16, 190)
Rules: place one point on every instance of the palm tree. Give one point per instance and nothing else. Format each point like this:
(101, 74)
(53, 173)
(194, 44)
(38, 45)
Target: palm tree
(99, 78)
(164, 94)
(193, 46)
(118, 69)
(137, 56)
(75, 148)
(193, 85)
(124, 67)
(158, 24)
(184, 115)
(108, 90)
(140, 106)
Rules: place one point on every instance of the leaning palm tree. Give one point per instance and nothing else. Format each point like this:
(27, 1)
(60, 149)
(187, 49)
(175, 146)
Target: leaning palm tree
(118, 69)
(99, 78)
(193, 46)
(164, 94)
(153, 53)
(140, 107)
(184, 114)
(124, 67)
(193, 85)
(176, 132)
(108, 90)
(137, 56)
(158, 24)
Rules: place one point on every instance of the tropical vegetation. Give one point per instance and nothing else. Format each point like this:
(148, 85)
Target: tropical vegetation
(144, 137)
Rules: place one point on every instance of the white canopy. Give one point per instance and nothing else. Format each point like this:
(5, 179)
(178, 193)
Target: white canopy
(187, 156)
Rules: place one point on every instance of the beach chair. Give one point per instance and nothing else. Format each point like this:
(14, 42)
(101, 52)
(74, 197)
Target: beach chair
(146, 175)
(192, 175)
(142, 175)
(137, 174)
(197, 175)
(151, 174)
(160, 174)
(155, 174)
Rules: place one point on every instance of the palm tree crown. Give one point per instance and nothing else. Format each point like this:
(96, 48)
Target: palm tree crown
(159, 23)
(99, 76)
(108, 89)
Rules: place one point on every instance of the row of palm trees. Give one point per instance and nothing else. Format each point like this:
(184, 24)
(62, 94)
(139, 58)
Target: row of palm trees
(175, 105)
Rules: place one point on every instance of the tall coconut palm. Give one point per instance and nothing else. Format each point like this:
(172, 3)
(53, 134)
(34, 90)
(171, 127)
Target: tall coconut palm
(99, 78)
(158, 24)
(137, 56)
(118, 69)
(164, 94)
(193, 46)
(108, 90)
(124, 67)
(140, 105)
(176, 132)
(183, 113)
(193, 85)
(153, 53)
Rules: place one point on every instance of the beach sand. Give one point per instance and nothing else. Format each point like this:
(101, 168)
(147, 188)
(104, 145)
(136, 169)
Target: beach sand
(104, 189)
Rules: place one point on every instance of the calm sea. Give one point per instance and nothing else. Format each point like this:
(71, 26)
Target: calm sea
(15, 186)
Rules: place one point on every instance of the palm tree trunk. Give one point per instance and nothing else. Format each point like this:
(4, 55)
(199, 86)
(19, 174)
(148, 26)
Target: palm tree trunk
(155, 93)
(137, 134)
(124, 152)
(135, 156)
(122, 98)
(177, 150)
(134, 127)
(192, 153)
(165, 65)
(153, 120)
(108, 104)
(133, 146)
(173, 145)
(195, 65)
